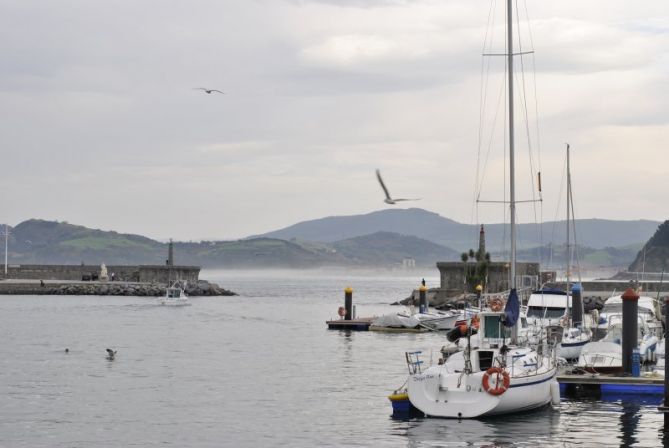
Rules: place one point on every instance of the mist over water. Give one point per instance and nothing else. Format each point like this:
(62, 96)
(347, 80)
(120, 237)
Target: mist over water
(258, 369)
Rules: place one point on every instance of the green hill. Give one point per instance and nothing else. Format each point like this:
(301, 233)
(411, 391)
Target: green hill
(654, 256)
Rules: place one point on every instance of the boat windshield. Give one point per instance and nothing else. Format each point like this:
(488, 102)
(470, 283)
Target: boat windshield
(612, 308)
(548, 312)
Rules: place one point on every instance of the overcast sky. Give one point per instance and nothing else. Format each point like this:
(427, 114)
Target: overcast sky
(101, 126)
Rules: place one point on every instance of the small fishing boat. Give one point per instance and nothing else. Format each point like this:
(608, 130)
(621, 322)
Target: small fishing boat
(175, 295)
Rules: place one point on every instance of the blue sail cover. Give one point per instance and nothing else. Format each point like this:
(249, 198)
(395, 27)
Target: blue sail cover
(512, 309)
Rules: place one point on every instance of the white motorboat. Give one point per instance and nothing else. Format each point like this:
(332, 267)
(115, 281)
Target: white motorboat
(494, 378)
(175, 296)
(431, 321)
(606, 355)
(612, 313)
(550, 308)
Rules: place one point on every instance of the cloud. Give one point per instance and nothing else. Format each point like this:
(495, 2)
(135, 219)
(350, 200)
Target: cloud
(98, 108)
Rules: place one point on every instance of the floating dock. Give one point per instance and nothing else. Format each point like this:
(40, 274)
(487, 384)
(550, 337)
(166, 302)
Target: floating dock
(360, 324)
(608, 383)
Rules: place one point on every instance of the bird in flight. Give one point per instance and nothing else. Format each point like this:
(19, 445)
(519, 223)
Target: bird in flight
(388, 199)
(111, 354)
(208, 90)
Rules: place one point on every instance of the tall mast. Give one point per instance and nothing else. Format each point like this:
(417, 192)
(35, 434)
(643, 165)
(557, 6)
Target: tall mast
(568, 218)
(512, 167)
(512, 160)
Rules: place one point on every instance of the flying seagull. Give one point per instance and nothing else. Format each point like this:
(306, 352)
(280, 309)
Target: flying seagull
(208, 90)
(388, 199)
(111, 354)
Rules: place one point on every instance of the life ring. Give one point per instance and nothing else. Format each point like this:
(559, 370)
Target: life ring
(500, 386)
(341, 311)
(496, 304)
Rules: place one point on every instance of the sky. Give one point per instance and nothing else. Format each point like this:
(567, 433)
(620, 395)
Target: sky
(102, 126)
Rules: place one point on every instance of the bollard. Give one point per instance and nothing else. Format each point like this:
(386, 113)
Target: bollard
(630, 328)
(479, 290)
(576, 305)
(423, 299)
(348, 302)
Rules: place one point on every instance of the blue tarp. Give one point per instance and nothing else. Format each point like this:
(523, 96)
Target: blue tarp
(512, 309)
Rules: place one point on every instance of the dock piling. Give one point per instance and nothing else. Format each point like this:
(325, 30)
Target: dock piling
(422, 293)
(630, 328)
(576, 305)
(348, 302)
(665, 407)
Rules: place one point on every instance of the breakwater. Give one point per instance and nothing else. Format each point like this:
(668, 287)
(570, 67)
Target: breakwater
(151, 289)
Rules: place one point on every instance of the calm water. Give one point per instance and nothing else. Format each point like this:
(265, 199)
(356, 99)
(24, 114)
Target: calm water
(260, 369)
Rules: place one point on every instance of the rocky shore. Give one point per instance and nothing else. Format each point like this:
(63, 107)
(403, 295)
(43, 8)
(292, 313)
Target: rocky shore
(201, 288)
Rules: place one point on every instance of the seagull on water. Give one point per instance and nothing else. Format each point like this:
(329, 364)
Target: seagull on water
(209, 90)
(111, 354)
(388, 199)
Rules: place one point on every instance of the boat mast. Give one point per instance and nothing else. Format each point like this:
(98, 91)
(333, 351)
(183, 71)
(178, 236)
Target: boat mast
(512, 167)
(568, 218)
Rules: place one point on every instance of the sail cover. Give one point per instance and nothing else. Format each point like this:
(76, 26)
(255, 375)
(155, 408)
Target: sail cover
(512, 309)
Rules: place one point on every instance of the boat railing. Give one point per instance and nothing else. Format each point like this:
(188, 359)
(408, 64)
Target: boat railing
(413, 362)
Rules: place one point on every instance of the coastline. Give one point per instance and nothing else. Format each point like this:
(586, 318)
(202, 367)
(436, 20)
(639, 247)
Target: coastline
(103, 288)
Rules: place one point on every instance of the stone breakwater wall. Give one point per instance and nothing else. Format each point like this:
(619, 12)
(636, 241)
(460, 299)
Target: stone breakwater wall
(125, 273)
(201, 288)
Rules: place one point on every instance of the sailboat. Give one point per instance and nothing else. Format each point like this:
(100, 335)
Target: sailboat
(575, 334)
(493, 375)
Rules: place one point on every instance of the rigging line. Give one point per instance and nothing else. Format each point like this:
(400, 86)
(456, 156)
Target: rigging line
(534, 71)
(559, 199)
(492, 135)
(483, 95)
(536, 114)
(523, 94)
(481, 174)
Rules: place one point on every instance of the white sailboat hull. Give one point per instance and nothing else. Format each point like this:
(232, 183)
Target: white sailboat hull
(438, 395)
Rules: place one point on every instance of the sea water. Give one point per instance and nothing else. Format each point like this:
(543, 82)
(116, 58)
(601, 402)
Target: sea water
(259, 369)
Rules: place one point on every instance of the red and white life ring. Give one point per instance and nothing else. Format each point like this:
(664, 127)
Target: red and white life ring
(500, 386)
(341, 311)
(496, 304)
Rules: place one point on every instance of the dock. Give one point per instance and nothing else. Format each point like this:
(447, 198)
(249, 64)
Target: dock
(609, 383)
(360, 324)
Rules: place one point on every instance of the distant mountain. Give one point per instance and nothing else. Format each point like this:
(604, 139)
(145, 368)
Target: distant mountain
(384, 248)
(595, 233)
(654, 256)
(49, 242)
